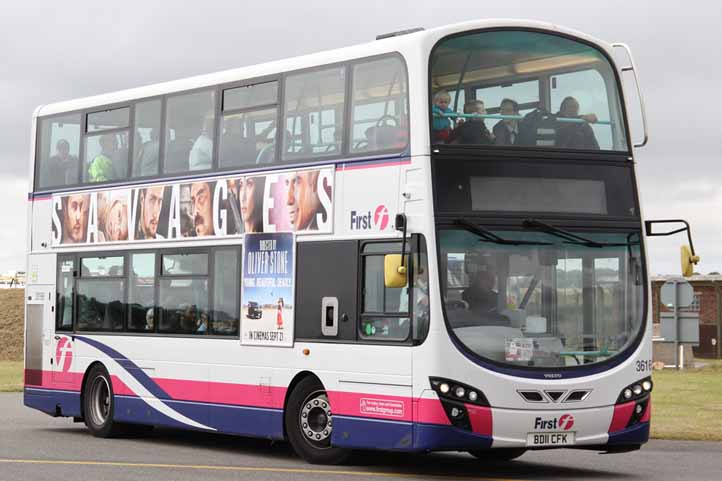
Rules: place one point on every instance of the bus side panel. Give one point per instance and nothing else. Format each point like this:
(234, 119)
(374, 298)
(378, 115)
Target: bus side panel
(51, 382)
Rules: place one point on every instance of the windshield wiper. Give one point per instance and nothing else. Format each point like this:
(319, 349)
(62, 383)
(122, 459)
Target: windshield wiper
(534, 224)
(489, 236)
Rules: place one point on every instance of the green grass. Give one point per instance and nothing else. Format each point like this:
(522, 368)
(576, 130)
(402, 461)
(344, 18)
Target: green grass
(688, 404)
(11, 376)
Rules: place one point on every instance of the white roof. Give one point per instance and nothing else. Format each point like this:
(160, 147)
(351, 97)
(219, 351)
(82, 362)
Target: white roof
(415, 48)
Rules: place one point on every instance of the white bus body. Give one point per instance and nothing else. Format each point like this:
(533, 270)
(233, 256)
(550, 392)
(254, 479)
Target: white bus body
(380, 392)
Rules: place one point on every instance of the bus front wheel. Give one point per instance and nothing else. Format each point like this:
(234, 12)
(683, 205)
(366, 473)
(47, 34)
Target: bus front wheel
(99, 404)
(309, 424)
(498, 454)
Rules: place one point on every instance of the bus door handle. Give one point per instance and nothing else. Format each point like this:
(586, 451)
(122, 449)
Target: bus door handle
(632, 68)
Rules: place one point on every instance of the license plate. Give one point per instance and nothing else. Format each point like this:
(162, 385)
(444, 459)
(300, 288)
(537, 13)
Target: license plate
(551, 439)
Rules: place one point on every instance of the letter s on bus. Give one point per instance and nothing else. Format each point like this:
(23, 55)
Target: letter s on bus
(324, 198)
(57, 228)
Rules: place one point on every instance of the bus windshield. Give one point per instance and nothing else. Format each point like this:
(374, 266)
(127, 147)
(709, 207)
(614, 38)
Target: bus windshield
(524, 89)
(542, 297)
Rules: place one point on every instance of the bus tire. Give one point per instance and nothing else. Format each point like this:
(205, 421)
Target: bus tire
(309, 424)
(99, 404)
(498, 454)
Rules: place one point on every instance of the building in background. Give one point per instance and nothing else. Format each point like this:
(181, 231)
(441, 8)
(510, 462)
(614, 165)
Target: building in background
(707, 301)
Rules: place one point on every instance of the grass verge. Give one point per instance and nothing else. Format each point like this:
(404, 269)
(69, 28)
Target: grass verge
(11, 376)
(688, 404)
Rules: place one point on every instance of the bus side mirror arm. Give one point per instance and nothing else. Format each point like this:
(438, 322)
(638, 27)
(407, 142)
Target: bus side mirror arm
(649, 232)
(688, 257)
(400, 224)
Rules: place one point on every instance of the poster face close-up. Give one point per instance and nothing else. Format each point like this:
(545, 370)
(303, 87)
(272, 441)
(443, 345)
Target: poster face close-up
(298, 201)
(267, 290)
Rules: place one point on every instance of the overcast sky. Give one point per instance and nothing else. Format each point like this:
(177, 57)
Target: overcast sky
(51, 51)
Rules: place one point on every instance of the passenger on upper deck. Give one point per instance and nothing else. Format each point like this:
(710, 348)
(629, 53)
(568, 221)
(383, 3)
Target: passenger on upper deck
(472, 130)
(146, 159)
(507, 130)
(441, 126)
(62, 167)
(100, 168)
(575, 135)
(201, 155)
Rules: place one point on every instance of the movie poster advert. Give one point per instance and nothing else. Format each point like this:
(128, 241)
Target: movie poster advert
(267, 289)
(299, 201)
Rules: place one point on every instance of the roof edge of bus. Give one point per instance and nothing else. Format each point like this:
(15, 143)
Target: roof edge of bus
(274, 67)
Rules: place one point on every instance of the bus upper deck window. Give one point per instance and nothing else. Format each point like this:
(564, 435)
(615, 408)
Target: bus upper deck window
(525, 89)
(58, 151)
(313, 113)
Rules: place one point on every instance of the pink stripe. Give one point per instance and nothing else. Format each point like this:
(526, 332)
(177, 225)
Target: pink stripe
(370, 405)
(647, 416)
(70, 381)
(120, 388)
(223, 393)
(481, 420)
(622, 414)
(430, 411)
(372, 166)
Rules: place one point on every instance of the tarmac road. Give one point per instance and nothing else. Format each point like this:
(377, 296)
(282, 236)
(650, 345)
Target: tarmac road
(34, 446)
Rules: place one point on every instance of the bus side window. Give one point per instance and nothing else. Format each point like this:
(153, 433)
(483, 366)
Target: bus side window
(384, 310)
(379, 99)
(190, 126)
(106, 145)
(313, 113)
(226, 293)
(64, 294)
(58, 151)
(248, 127)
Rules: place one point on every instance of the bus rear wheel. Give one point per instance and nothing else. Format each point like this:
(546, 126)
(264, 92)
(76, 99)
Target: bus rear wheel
(99, 404)
(499, 454)
(309, 424)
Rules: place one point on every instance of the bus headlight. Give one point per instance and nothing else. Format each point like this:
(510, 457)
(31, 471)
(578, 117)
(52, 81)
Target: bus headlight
(458, 392)
(457, 399)
(635, 392)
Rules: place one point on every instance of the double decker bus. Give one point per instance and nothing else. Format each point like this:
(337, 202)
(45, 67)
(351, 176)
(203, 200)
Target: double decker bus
(430, 242)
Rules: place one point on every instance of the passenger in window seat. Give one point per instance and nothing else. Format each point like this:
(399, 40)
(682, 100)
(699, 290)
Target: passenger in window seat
(506, 131)
(575, 135)
(472, 130)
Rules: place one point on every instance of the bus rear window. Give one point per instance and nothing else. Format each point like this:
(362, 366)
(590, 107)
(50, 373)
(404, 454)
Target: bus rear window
(525, 89)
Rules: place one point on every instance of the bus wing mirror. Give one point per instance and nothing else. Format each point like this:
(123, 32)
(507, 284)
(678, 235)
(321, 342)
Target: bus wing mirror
(688, 257)
(689, 260)
(394, 271)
